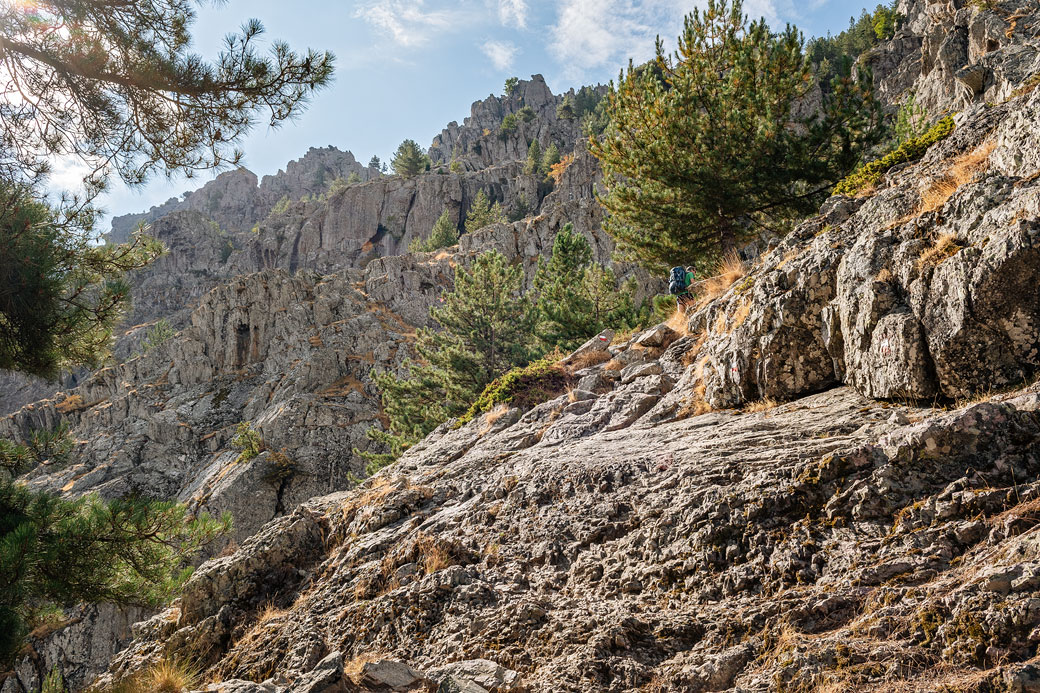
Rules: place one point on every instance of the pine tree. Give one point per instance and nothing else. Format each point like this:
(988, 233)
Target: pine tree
(409, 159)
(120, 88)
(534, 158)
(577, 298)
(58, 552)
(485, 330)
(549, 159)
(63, 293)
(482, 213)
(445, 233)
(703, 147)
(374, 162)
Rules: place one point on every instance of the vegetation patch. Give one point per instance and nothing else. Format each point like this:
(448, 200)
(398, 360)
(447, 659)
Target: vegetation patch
(870, 174)
(523, 387)
(945, 247)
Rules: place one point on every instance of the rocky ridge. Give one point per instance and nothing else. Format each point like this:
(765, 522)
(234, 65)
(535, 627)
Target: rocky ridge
(613, 538)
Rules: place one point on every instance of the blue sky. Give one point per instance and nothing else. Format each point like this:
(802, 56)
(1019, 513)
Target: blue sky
(405, 68)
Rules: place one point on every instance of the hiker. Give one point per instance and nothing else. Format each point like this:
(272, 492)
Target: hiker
(680, 282)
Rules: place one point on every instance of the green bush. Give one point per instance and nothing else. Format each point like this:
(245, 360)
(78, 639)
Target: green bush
(912, 150)
(248, 442)
(508, 126)
(282, 205)
(157, 335)
(523, 387)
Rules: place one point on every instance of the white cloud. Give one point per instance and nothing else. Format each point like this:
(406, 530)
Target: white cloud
(591, 34)
(513, 13)
(500, 53)
(408, 24)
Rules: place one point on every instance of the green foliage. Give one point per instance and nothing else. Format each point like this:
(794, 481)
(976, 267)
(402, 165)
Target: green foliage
(374, 162)
(248, 442)
(526, 114)
(15, 458)
(225, 251)
(282, 206)
(511, 84)
(702, 149)
(576, 297)
(565, 111)
(54, 683)
(485, 330)
(445, 234)
(911, 121)
(121, 88)
(42, 446)
(410, 160)
(834, 56)
(885, 22)
(549, 159)
(62, 293)
(157, 335)
(533, 164)
(509, 125)
(524, 387)
(869, 174)
(521, 208)
(455, 166)
(56, 551)
(482, 213)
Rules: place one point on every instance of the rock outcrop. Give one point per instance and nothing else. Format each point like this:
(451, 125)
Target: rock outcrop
(806, 482)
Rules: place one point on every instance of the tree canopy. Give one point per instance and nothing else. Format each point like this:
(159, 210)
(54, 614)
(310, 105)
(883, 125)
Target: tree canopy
(116, 85)
(409, 159)
(714, 142)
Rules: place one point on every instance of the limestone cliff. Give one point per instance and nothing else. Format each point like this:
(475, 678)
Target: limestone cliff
(825, 478)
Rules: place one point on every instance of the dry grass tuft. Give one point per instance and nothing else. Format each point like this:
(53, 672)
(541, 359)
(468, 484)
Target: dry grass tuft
(697, 404)
(354, 667)
(493, 416)
(764, 404)
(944, 247)
(588, 359)
(168, 676)
(727, 273)
(613, 365)
(885, 275)
(433, 555)
(679, 323)
(964, 169)
(70, 404)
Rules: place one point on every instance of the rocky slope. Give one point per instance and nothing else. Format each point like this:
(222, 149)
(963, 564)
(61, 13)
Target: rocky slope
(640, 531)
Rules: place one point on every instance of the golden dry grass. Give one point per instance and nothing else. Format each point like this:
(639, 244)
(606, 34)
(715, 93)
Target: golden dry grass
(589, 358)
(679, 323)
(493, 416)
(613, 365)
(70, 404)
(885, 275)
(764, 404)
(433, 555)
(944, 247)
(727, 273)
(353, 668)
(169, 676)
(741, 314)
(963, 170)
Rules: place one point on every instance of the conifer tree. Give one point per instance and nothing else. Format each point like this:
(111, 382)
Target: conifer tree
(409, 159)
(58, 552)
(445, 233)
(577, 298)
(482, 213)
(703, 147)
(485, 330)
(550, 159)
(534, 158)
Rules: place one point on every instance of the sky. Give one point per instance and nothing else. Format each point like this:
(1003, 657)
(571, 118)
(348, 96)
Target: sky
(406, 68)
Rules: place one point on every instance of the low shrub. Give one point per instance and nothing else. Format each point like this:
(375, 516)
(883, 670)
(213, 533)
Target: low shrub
(869, 174)
(523, 387)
